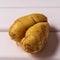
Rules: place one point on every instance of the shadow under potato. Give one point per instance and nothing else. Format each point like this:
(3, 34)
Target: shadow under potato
(50, 47)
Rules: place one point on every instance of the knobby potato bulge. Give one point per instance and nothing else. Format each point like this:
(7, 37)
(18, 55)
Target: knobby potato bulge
(31, 31)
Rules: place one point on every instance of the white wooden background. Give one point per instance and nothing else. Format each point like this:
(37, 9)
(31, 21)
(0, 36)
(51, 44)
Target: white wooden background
(10, 10)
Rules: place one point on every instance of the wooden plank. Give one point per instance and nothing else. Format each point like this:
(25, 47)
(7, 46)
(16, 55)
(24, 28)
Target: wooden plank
(9, 15)
(29, 3)
(8, 48)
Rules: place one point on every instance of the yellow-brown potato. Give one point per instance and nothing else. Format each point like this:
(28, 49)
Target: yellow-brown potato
(31, 31)
(35, 37)
(18, 28)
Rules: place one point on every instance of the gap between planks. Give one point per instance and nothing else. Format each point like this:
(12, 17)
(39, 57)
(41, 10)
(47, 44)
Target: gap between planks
(5, 30)
(31, 7)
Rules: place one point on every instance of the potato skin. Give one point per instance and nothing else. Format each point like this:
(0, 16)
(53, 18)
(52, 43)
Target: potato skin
(31, 31)
(35, 38)
(18, 29)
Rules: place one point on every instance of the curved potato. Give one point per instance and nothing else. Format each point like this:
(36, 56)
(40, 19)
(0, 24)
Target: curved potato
(19, 27)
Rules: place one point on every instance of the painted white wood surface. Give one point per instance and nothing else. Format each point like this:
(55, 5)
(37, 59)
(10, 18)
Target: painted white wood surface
(10, 10)
(29, 3)
(8, 15)
(9, 49)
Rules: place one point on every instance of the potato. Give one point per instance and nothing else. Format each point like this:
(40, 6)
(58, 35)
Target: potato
(31, 32)
(18, 28)
(35, 37)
